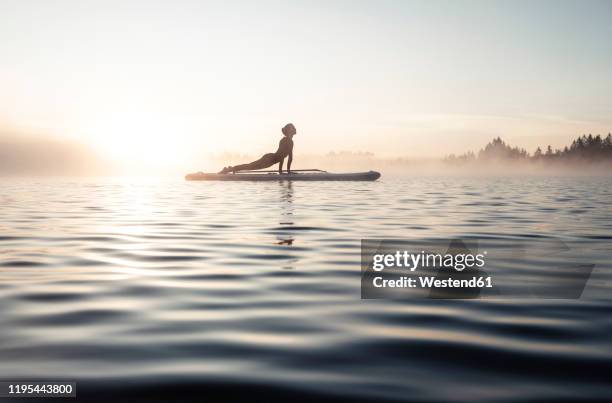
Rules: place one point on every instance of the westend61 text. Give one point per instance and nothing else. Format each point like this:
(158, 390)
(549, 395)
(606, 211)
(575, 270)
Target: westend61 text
(433, 282)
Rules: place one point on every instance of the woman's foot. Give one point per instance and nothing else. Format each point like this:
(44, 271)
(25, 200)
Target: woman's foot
(226, 170)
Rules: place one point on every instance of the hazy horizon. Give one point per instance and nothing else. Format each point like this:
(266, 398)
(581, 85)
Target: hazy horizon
(166, 84)
(27, 155)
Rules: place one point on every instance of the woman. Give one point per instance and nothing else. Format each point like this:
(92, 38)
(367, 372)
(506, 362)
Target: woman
(285, 149)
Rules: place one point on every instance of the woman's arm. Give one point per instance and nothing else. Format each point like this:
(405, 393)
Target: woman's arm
(289, 160)
(280, 166)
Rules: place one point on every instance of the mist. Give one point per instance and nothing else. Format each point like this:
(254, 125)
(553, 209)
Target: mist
(34, 155)
(346, 161)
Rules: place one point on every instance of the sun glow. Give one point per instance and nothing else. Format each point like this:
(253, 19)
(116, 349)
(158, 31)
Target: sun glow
(141, 137)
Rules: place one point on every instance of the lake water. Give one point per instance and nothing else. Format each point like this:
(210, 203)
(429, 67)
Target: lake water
(161, 289)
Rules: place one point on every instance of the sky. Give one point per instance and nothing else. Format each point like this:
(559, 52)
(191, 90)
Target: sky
(170, 81)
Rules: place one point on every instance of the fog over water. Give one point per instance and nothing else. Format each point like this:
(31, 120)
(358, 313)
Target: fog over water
(35, 155)
(24, 155)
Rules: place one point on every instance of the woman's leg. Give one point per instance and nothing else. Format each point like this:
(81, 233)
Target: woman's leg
(264, 162)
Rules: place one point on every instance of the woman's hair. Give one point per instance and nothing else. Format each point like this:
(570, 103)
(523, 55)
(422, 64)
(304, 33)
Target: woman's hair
(288, 128)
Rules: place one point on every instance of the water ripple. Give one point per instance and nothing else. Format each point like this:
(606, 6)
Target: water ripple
(150, 290)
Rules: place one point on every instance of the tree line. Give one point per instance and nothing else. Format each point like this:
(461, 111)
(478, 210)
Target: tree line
(584, 149)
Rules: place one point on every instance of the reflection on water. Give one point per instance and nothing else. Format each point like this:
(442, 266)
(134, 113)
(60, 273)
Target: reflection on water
(164, 288)
(286, 213)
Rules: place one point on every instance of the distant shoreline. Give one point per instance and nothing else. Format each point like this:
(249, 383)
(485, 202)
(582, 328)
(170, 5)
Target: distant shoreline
(587, 155)
(584, 151)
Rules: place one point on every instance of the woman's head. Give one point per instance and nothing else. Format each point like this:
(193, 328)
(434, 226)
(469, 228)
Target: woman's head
(289, 130)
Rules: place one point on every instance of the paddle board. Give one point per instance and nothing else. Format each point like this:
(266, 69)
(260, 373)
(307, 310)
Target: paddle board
(297, 176)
